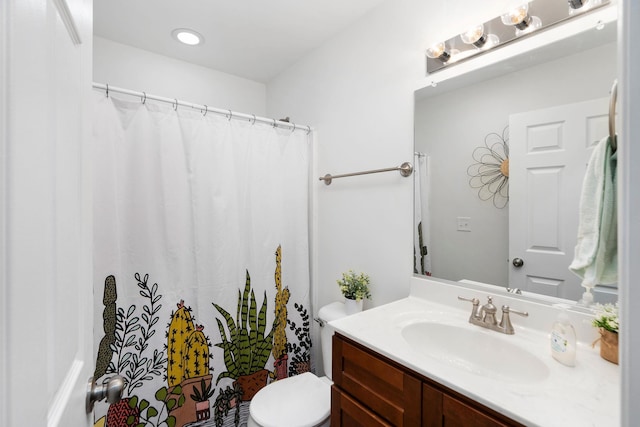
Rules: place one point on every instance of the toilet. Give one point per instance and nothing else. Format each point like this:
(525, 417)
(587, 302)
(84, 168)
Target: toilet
(303, 400)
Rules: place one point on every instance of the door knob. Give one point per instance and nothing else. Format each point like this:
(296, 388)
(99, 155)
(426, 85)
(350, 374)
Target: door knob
(111, 390)
(518, 262)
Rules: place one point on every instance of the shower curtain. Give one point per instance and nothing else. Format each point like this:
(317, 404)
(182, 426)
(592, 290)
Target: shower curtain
(201, 262)
(421, 222)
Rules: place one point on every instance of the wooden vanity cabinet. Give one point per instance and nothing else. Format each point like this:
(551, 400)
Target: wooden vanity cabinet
(372, 390)
(383, 390)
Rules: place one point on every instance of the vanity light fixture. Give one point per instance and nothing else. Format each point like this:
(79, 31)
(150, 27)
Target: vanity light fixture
(528, 17)
(187, 36)
(520, 19)
(477, 37)
(439, 51)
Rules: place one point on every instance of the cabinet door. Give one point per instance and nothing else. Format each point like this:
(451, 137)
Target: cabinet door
(431, 406)
(383, 387)
(458, 414)
(346, 412)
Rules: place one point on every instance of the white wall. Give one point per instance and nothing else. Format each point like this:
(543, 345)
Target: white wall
(451, 125)
(357, 91)
(136, 69)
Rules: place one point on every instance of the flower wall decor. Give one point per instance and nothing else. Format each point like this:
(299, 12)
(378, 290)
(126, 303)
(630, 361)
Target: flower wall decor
(490, 172)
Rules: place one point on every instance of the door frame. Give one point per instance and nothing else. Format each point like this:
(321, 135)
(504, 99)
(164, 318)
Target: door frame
(4, 297)
(629, 208)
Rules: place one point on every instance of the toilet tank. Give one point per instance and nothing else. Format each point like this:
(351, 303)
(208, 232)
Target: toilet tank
(327, 313)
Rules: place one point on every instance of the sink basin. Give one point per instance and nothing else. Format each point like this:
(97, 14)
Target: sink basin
(475, 351)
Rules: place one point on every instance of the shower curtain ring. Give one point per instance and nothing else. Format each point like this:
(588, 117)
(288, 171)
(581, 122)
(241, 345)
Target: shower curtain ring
(254, 119)
(144, 97)
(308, 130)
(175, 104)
(107, 91)
(230, 115)
(274, 123)
(294, 128)
(206, 110)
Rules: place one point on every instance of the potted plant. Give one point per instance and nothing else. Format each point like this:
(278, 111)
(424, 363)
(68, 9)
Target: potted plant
(355, 288)
(201, 397)
(227, 399)
(606, 321)
(246, 347)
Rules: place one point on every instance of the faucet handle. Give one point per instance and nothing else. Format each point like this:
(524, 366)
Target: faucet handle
(505, 322)
(475, 311)
(507, 309)
(474, 301)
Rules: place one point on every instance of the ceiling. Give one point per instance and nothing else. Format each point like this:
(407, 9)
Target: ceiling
(255, 39)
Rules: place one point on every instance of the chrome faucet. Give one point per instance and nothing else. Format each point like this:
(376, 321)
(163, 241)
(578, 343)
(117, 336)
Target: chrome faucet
(485, 316)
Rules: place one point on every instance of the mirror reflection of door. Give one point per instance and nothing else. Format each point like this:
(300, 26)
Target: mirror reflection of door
(549, 151)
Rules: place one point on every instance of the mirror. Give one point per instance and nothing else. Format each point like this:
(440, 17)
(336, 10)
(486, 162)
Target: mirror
(467, 238)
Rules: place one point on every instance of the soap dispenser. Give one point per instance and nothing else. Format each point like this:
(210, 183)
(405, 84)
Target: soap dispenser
(563, 338)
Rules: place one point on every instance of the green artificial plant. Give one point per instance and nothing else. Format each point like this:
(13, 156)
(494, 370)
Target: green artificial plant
(354, 286)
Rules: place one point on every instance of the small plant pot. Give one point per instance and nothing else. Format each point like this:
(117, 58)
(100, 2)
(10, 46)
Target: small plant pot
(187, 413)
(281, 367)
(609, 345)
(252, 383)
(202, 411)
(352, 306)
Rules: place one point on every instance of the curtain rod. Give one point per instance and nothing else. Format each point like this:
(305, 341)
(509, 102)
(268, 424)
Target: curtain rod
(204, 109)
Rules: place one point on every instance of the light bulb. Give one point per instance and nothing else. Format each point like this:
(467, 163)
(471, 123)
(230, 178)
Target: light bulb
(438, 51)
(474, 36)
(521, 20)
(517, 17)
(581, 6)
(533, 24)
(477, 37)
(576, 4)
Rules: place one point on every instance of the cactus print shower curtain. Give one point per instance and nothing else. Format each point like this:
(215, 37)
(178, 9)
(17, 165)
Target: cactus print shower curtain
(201, 262)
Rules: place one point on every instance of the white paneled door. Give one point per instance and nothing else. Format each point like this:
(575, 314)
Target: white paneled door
(46, 318)
(549, 151)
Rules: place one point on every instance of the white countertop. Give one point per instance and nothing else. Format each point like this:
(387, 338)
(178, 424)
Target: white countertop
(585, 395)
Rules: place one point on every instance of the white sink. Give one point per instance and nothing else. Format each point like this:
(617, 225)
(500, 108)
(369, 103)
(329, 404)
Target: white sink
(476, 351)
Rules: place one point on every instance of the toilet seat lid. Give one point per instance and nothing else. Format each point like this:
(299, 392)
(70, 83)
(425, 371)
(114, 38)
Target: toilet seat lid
(303, 400)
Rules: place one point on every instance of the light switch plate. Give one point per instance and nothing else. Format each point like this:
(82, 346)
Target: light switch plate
(464, 223)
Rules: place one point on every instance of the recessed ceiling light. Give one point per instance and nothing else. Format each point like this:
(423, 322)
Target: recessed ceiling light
(186, 36)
